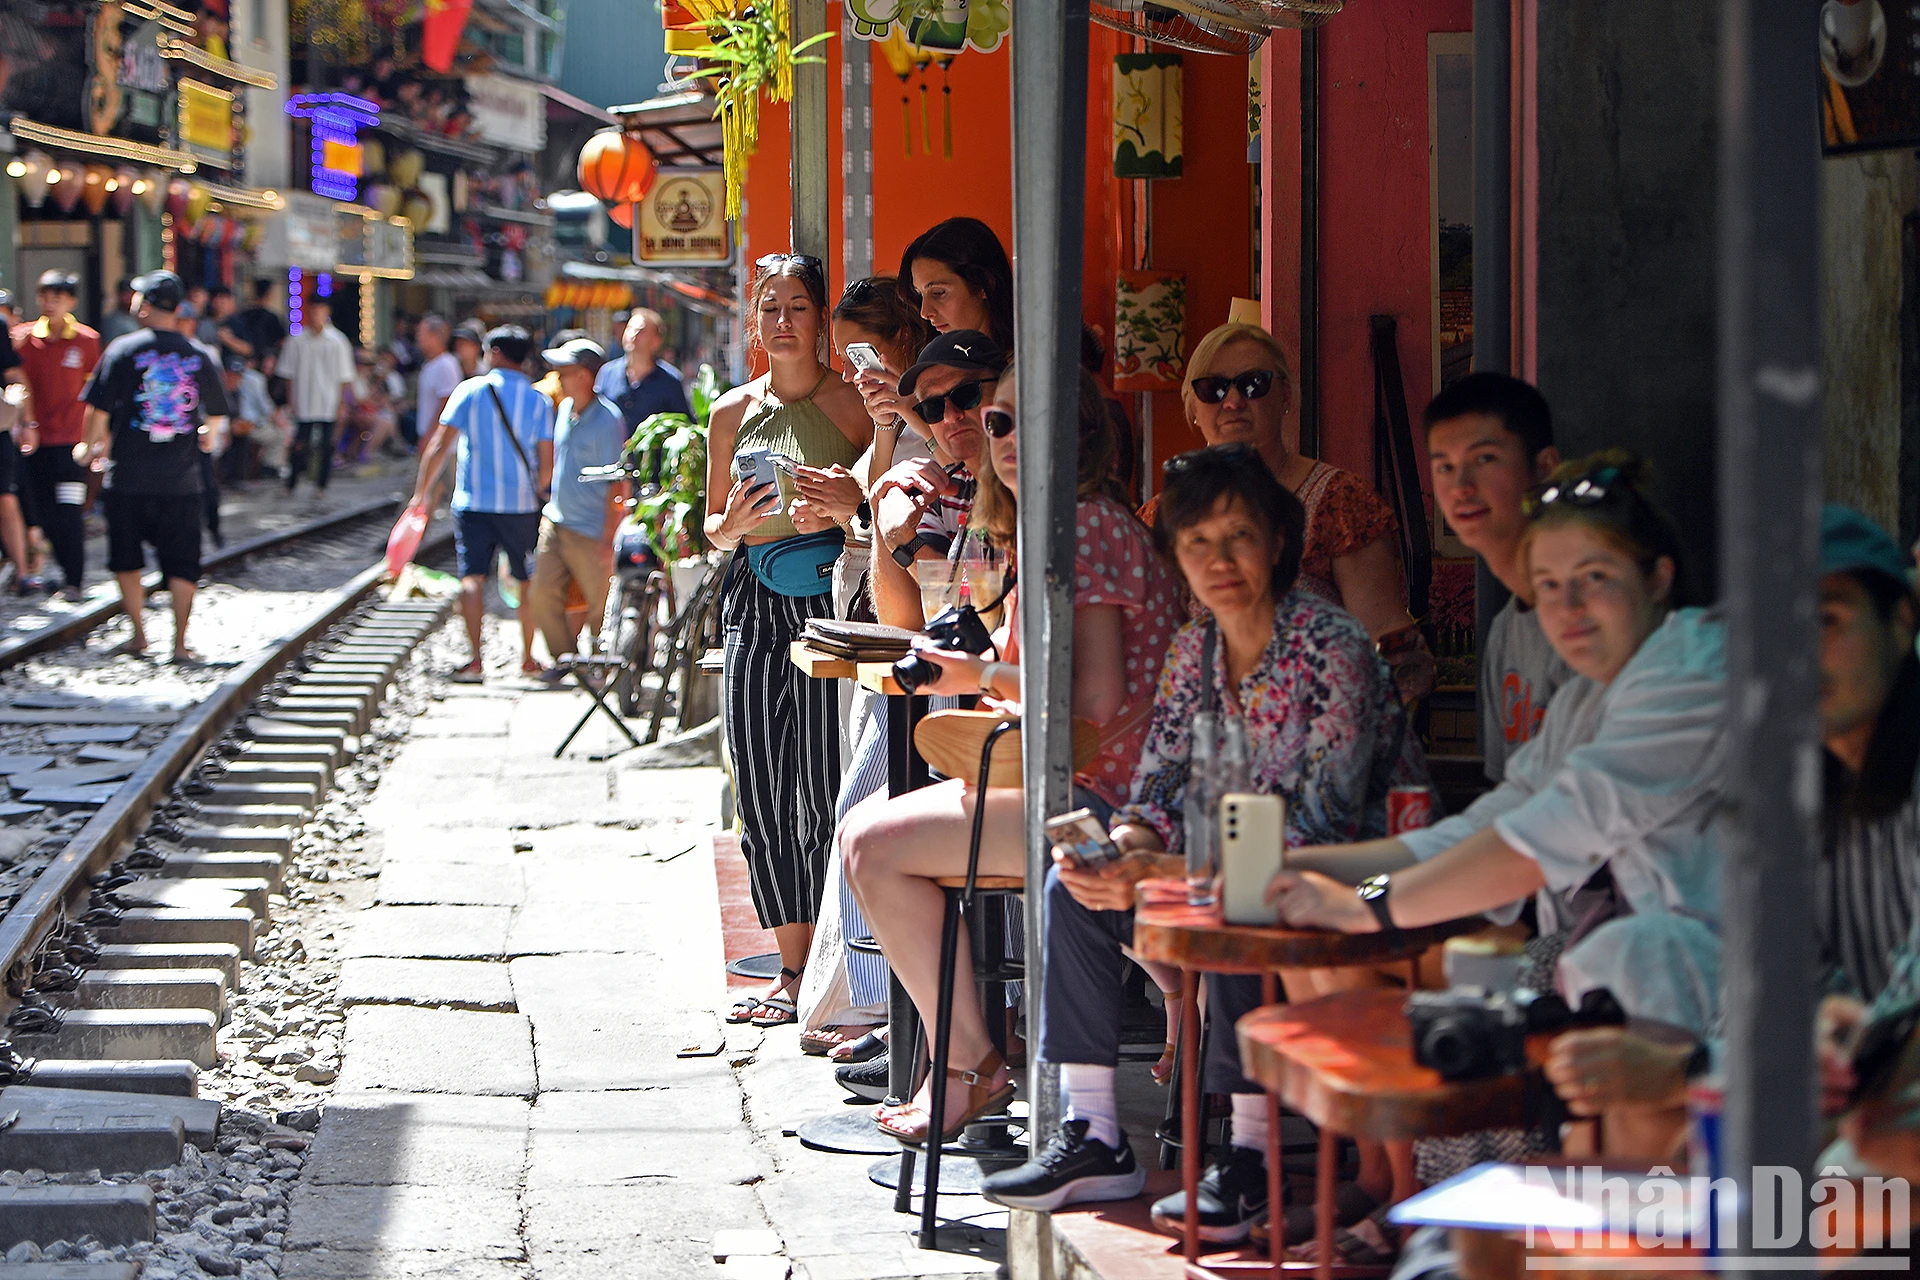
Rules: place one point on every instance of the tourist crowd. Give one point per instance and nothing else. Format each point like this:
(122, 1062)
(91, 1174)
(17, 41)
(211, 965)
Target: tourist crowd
(1263, 590)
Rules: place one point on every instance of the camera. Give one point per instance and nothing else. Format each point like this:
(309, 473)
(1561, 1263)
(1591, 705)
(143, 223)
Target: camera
(956, 627)
(1468, 1033)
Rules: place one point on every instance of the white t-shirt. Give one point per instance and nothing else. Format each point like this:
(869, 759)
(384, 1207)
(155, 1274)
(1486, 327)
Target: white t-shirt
(438, 377)
(317, 367)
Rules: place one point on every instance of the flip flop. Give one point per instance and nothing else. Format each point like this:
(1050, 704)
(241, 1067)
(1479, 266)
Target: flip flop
(472, 673)
(128, 649)
(817, 1044)
(783, 1012)
(743, 1010)
(865, 1049)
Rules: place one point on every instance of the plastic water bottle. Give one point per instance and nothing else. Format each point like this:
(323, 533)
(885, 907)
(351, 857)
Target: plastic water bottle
(1235, 771)
(1202, 811)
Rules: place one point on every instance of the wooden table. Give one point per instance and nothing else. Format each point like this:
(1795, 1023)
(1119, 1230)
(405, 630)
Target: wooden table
(1196, 940)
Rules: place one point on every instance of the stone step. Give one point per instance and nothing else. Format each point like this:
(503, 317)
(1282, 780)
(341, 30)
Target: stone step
(275, 840)
(148, 989)
(113, 1215)
(199, 1117)
(171, 1077)
(170, 924)
(246, 791)
(223, 956)
(251, 815)
(203, 892)
(186, 1034)
(245, 865)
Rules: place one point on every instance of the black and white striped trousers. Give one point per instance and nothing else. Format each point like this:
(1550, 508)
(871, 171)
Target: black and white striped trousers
(783, 730)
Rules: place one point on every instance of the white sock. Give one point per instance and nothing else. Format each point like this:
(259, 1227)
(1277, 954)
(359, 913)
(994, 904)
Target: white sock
(1250, 1121)
(1090, 1097)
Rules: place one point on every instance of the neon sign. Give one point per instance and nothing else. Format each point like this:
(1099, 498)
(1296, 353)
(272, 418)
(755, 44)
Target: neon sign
(336, 120)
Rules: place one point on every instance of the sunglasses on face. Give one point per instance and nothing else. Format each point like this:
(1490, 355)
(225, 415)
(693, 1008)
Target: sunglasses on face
(998, 422)
(1586, 491)
(963, 397)
(1252, 384)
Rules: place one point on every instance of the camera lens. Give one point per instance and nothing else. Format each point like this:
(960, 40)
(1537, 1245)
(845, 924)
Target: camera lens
(1449, 1048)
(913, 671)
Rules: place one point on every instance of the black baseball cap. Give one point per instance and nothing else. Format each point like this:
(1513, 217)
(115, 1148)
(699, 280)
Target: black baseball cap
(968, 350)
(162, 290)
(63, 281)
(472, 331)
(236, 363)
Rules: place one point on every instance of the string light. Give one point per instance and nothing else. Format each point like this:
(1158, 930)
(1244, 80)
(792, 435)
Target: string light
(16, 168)
(293, 299)
(335, 121)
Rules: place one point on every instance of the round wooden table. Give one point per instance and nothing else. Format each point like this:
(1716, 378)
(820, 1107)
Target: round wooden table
(1197, 940)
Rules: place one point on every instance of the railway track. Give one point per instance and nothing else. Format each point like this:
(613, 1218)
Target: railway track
(128, 924)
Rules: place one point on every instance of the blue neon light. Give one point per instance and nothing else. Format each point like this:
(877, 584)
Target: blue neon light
(333, 117)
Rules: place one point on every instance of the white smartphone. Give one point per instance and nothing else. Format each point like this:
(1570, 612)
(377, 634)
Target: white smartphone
(865, 357)
(755, 468)
(1081, 837)
(1253, 847)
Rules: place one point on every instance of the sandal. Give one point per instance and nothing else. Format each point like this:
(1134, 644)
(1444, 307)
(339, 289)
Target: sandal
(753, 1008)
(1368, 1243)
(1351, 1204)
(472, 673)
(775, 1011)
(820, 1042)
(742, 1010)
(909, 1123)
(865, 1049)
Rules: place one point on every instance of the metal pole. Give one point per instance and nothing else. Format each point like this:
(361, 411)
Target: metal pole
(1049, 183)
(856, 153)
(811, 210)
(1492, 230)
(1770, 478)
(1310, 242)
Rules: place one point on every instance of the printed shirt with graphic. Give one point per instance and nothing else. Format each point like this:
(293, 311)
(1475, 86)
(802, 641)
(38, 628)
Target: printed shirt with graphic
(489, 474)
(1116, 565)
(156, 388)
(1325, 728)
(1519, 672)
(57, 366)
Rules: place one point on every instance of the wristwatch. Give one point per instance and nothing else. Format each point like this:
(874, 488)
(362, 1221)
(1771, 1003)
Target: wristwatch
(904, 553)
(1373, 891)
(864, 513)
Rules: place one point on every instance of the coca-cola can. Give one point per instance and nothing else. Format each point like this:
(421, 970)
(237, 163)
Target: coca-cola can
(1408, 809)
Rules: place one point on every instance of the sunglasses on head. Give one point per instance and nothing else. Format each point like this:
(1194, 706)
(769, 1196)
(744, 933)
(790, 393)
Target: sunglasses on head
(963, 397)
(998, 422)
(1238, 453)
(805, 261)
(1585, 491)
(1252, 384)
(860, 292)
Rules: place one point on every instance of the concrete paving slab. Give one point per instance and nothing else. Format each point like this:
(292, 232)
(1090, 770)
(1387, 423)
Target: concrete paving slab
(593, 1030)
(198, 893)
(199, 1117)
(688, 1135)
(234, 927)
(127, 1033)
(173, 1078)
(115, 1215)
(490, 846)
(150, 989)
(386, 1264)
(76, 1141)
(452, 884)
(223, 956)
(277, 840)
(554, 928)
(591, 1233)
(473, 1221)
(447, 933)
(438, 1051)
(231, 792)
(458, 984)
(383, 1138)
(269, 867)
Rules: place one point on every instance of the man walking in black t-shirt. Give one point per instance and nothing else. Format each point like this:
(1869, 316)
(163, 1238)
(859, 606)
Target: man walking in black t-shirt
(154, 404)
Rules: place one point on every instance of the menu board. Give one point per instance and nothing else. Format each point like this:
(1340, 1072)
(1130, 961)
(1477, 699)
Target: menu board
(1869, 75)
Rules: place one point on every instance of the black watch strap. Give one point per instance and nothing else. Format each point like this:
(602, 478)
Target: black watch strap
(904, 553)
(1373, 891)
(864, 512)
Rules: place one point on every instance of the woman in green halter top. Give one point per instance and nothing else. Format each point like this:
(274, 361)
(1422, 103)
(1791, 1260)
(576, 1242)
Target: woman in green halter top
(783, 728)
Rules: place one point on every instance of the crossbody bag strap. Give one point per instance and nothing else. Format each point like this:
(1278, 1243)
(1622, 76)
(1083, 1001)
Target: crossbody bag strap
(533, 479)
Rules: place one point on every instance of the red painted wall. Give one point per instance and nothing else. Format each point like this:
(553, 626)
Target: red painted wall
(1375, 206)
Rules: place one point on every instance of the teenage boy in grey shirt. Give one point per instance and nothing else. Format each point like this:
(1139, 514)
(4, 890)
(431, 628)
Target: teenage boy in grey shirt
(1490, 441)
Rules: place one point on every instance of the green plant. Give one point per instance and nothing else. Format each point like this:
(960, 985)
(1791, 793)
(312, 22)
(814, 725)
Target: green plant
(755, 53)
(672, 449)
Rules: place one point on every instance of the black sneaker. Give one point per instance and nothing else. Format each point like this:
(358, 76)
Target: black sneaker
(864, 1079)
(1233, 1196)
(1071, 1169)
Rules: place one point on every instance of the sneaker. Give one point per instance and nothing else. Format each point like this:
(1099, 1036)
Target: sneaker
(1071, 1169)
(866, 1080)
(72, 594)
(30, 586)
(1233, 1196)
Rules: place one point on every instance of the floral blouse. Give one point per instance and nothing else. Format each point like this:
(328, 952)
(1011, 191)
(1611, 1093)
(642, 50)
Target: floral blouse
(1325, 728)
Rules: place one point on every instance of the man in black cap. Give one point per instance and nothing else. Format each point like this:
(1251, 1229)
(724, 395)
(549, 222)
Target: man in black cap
(154, 404)
(57, 354)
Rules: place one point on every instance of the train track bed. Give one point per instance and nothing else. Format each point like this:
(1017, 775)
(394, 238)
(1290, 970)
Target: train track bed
(264, 1029)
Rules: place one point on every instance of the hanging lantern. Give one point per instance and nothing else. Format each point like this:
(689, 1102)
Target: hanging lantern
(385, 197)
(616, 167)
(33, 182)
(120, 190)
(1146, 115)
(404, 170)
(94, 190)
(151, 190)
(551, 298)
(418, 208)
(373, 158)
(622, 215)
(66, 184)
(1149, 331)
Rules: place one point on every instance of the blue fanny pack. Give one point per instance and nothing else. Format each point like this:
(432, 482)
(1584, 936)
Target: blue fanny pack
(801, 566)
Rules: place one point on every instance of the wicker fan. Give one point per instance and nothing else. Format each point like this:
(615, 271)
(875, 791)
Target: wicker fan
(1199, 26)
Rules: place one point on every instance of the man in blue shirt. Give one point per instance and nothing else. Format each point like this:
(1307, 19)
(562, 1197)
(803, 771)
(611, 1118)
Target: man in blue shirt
(503, 428)
(576, 535)
(640, 385)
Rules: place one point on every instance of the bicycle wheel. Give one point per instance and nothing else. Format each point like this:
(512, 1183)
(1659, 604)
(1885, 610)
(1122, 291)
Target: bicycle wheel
(639, 622)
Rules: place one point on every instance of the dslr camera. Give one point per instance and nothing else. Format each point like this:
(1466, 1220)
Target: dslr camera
(1469, 1033)
(957, 627)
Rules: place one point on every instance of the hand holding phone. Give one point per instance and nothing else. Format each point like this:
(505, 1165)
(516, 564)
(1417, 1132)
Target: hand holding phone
(754, 468)
(1080, 837)
(865, 357)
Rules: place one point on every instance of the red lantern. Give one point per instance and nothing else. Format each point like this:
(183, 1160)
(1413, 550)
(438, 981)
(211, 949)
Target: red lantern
(622, 215)
(616, 168)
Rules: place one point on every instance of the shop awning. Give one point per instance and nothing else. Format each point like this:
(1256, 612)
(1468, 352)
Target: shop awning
(679, 128)
(695, 296)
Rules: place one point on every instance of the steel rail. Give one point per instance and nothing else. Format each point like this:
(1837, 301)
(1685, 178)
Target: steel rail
(82, 624)
(130, 810)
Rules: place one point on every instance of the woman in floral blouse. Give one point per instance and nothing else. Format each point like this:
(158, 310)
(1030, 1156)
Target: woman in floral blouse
(1325, 730)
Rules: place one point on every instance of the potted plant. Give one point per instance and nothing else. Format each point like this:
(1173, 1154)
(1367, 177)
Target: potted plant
(673, 449)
